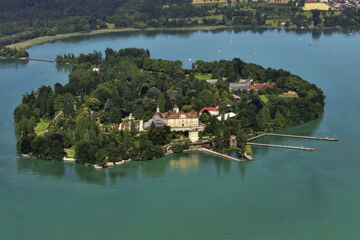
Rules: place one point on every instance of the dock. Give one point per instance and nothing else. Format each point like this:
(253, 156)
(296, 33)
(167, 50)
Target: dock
(293, 136)
(38, 59)
(256, 137)
(282, 146)
(289, 136)
(303, 137)
(222, 155)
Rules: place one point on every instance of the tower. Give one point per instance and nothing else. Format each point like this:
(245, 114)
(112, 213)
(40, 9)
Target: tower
(176, 109)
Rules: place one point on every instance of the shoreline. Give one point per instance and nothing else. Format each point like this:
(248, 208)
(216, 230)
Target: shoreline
(45, 39)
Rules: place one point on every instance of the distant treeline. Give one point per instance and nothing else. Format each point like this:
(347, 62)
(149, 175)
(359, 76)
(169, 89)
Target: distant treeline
(21, 20)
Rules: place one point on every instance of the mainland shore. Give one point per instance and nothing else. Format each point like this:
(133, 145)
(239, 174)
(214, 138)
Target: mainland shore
(40, 40)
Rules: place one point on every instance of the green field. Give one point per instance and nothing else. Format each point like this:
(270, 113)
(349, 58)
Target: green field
(203, 76)
(41, 127)
(70, 152)
(287, 96)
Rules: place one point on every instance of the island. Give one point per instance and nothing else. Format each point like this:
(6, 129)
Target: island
(26, 23)
(128, 106)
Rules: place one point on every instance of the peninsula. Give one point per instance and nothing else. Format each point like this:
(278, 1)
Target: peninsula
(128, 105)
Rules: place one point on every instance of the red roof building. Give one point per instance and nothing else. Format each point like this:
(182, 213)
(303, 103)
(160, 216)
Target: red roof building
(260, 86)
(213, 111)
(178, 118)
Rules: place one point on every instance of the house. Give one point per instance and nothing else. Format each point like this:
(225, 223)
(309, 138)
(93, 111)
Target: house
(212, 111)
(179, 119)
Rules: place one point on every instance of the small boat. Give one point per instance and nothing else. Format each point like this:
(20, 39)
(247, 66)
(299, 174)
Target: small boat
(219, 51)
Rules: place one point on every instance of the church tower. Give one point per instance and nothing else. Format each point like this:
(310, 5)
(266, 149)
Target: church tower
(175, 109)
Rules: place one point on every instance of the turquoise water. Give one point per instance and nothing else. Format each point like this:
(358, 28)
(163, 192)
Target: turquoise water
(283, 194)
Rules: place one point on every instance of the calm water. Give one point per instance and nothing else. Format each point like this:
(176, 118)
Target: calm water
(283, 194)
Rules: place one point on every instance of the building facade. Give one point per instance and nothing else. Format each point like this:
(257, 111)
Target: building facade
(180, 119)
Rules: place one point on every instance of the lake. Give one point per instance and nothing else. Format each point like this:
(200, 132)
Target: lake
(283, 194)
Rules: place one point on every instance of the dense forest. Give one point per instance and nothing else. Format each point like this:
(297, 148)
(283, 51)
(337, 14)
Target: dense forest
(103, 91)
(21, 20)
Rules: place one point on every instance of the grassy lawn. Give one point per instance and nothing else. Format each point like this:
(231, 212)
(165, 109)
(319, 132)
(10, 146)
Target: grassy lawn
(288, 96)
(110, 25)
(248, 150)
(316, 6)
(70, 152)
(203, 76)
(41, 127)
(264, 99)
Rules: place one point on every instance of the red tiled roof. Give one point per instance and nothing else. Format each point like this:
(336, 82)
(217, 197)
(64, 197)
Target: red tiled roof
(260, 86)
(209, 109)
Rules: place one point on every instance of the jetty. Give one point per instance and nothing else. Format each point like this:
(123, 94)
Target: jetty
(38, 59)
(222, 155)
(293, 136)
(303, 137)
(281, 146)
(289, 136)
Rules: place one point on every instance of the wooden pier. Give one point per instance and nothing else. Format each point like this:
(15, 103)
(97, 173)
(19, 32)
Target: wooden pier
(282, 146)
(38, 59)
(289, 136)
(256, 137)
(222, 155)
(293, 136)
(303, 137)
